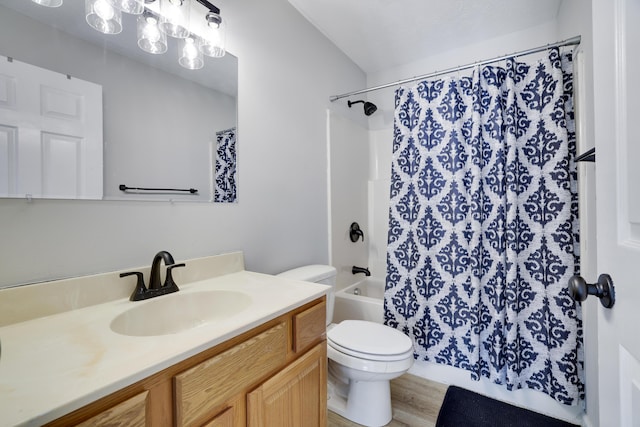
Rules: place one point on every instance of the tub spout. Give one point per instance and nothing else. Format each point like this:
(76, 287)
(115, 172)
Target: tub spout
(356, 270)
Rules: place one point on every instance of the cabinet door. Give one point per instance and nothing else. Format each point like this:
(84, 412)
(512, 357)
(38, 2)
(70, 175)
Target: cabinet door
(226, 419)
(295, 397)
(202, 390)
(131, 412)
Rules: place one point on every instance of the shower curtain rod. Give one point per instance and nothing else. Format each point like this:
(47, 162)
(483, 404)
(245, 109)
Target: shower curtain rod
(568, 42)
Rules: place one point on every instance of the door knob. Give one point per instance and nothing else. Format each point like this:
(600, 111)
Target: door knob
(579, 289)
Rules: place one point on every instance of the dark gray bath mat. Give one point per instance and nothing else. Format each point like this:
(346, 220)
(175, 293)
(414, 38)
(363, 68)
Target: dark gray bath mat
(464, 408)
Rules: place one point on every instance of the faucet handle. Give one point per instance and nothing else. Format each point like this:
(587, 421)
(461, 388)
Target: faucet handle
(355, 232)
(139, 292)
(168, 281)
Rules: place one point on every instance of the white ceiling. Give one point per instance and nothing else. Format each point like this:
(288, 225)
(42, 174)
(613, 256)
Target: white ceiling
(380, 34)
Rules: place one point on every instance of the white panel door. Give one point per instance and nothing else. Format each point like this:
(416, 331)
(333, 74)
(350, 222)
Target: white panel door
(616, 58)
(50, 134)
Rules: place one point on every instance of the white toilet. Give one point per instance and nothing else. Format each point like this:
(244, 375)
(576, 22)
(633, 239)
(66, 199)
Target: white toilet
(363, 357)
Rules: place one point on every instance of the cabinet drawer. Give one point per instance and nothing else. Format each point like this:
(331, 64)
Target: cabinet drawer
(201, 390)
(131, 412)
(309, 327)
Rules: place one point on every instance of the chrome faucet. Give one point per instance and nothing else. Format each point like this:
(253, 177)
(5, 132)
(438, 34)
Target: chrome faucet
(141, 292)
(356, 270)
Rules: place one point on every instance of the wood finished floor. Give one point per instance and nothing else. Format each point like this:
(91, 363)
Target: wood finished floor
(415, 402)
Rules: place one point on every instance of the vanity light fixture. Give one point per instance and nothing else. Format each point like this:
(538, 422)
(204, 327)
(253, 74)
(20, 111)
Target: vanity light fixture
(202, 35)
(190, 56)
(174, 17)
(212, 40)
(133, 7)
(103, 17)
(150, 38)
(48, 3)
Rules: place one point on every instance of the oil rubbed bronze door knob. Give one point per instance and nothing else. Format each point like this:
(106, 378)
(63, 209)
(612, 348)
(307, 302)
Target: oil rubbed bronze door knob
(579, 289)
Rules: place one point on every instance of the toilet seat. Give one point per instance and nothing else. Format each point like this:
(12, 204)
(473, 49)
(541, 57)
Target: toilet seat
(361, 364)
(371, 357)
(370, 341)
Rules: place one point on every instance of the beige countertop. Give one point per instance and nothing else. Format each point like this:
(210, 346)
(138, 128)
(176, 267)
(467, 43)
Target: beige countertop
(52, 365)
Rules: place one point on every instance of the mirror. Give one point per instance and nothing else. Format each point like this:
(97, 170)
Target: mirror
(163, 126)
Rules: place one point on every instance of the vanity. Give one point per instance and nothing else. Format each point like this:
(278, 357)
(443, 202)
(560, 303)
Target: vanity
(82, 358)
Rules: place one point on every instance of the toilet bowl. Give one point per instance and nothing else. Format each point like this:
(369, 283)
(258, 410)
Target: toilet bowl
(363, 357)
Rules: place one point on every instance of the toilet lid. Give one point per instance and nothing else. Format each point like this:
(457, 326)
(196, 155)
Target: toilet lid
(369, 338)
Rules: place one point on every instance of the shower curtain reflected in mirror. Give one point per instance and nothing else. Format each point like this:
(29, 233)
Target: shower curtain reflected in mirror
(224, 180)
(483, 232)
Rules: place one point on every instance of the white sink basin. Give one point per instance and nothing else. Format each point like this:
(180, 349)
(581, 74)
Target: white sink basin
(178, 312)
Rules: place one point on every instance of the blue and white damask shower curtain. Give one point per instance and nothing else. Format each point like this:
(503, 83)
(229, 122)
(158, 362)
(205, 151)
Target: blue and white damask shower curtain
(483, 230)
(224, 181)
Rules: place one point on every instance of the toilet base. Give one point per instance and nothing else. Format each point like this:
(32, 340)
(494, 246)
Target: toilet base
(367, 403)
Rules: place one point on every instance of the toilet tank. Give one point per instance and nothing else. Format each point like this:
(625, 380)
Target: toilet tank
(323, 274)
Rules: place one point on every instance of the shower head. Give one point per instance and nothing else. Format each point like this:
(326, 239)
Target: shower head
(369, 107)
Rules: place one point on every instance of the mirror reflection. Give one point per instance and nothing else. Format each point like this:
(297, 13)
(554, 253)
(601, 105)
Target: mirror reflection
(156, 124)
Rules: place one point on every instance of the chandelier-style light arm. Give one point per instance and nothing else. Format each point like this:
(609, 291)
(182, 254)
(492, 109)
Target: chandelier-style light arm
(209, 6)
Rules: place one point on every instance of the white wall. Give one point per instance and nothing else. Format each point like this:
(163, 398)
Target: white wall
(287, 71)
(349, 168)
(381, 135)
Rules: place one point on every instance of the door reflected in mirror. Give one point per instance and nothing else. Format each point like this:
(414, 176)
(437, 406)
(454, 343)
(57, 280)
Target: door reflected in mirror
(162, 126)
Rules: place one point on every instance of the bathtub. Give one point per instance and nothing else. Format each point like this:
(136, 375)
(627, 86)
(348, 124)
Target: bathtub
(361, 301)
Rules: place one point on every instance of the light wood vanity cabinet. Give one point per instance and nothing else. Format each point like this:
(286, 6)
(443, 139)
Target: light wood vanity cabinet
(131, 412)
(273, 375)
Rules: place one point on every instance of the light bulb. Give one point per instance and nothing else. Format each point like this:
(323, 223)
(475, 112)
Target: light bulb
(150, 38)
(212, 42)
(190, 56)
(190, 50)
(174, 19)
(104, 10)
(151, 30)
(152, 33)
(133, 7)
(103, 17)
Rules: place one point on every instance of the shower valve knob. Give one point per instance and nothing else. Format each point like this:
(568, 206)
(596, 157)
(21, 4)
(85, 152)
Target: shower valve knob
(579, 289)
(355, 232)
